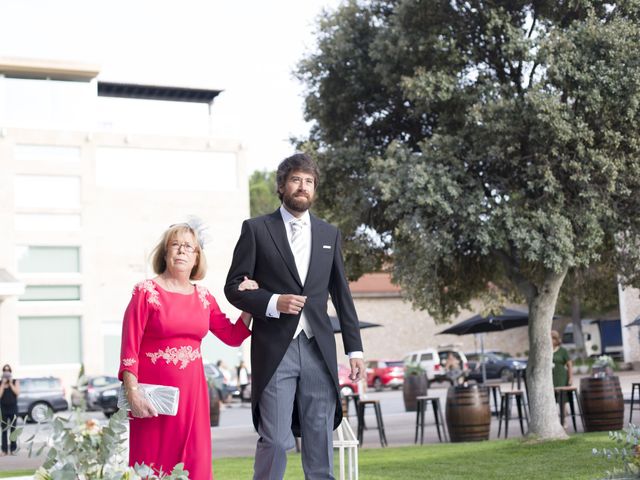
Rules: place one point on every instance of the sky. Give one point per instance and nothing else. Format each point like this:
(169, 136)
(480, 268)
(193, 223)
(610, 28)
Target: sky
(247, 48)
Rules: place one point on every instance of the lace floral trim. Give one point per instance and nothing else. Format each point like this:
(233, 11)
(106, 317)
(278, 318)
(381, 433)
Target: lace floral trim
(127, 362)
(148, 286)
(183, 355)
(202, 293)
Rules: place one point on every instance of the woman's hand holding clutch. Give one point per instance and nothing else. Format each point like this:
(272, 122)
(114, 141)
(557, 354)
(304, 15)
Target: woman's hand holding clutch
(140, 406)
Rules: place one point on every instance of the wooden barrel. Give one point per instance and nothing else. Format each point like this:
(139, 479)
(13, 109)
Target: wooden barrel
(602, 404)
(468, 413)
(415, 384)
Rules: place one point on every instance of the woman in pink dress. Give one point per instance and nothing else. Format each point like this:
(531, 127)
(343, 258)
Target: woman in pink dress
(163, 327)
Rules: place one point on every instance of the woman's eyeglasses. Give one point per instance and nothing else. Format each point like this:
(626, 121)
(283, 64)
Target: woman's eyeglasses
(185, 247)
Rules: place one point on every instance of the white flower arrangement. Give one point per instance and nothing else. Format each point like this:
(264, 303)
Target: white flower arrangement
(85, 450)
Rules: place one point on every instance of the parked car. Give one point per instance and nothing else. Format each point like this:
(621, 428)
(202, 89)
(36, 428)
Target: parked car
(432, 361)
(40, 397)
(347, 386)
(107, 399)
(385, 373)
(497, 365)
(225, 390)
(86, 394)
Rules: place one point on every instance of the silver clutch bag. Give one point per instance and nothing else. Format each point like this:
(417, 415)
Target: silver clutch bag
(163, 398)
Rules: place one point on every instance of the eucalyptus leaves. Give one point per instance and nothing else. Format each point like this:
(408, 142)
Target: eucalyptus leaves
(627, 450)
(84, 449)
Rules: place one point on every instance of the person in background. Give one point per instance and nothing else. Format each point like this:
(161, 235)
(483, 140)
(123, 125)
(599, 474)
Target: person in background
(243, 380)
(163, 327)
(562, 366)
(227, 380)
(9, 391)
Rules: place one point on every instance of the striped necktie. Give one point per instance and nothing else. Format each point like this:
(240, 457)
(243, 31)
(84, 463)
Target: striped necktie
(300, 249)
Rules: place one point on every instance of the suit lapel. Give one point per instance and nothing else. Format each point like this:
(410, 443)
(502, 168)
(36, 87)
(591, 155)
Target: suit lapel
(276, 228)
(319, 237)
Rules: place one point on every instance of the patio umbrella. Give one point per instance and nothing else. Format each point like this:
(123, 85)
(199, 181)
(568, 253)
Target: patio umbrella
(335, 324)
(508, 318)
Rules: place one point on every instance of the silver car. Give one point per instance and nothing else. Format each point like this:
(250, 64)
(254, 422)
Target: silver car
(40, 397)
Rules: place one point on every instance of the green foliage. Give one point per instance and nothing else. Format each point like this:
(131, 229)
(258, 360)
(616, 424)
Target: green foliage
(262, 193)
(626, 452)
(479, 143)
(84, 449)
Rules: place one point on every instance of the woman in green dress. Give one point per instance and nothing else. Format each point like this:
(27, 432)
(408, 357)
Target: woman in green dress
(562, 366)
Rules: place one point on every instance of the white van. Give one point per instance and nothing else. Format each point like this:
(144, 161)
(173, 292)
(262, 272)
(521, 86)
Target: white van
(432, 362)
(591, 334)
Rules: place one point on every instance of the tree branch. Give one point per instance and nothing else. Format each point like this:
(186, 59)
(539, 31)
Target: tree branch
(527, 288)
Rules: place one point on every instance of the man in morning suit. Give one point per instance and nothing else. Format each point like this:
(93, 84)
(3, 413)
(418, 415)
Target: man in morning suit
(296, 259)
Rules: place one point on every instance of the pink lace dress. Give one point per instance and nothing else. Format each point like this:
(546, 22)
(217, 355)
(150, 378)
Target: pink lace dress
(161, 336)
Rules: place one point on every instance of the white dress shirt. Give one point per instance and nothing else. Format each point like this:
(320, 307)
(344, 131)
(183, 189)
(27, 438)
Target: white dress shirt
(302, 264)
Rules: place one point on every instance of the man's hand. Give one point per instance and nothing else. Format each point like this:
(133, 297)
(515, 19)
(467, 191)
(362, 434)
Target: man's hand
(291, 304)
(357, 369)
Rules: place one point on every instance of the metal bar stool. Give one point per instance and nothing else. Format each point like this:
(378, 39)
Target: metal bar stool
(351, 397)
(505, 410)
(634, 386)
(362, 405)
(495, 390)
(422, 402)
(569, 393)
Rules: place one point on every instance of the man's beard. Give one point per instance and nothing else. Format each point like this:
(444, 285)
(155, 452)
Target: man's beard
(298, 204)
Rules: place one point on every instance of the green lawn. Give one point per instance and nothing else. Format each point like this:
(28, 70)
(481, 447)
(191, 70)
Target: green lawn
(497, 459)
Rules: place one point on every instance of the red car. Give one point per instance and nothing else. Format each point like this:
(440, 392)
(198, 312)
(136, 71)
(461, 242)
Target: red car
(385, 373)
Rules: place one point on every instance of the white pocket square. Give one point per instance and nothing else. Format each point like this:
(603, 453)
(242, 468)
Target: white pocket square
(328, 247)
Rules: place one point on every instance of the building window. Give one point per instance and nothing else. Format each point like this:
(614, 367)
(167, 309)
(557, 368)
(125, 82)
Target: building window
(111, 353)
(149, 169)
(46, 191)
(47, 153)
(53, 222)
(49, 340)
(48, 259)
(39, 293)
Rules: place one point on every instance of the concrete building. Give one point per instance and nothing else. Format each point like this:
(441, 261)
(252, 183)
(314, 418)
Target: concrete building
(630, 311)
(91, 173)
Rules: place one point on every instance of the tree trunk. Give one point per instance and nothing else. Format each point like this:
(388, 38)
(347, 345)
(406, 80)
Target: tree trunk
(545, 423)
(576, 320)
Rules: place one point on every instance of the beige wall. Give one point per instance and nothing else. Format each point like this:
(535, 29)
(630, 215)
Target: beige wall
(404, 330)
(629, 311)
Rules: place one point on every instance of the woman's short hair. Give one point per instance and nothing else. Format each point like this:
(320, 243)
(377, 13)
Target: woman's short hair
(298, 162)
(159, 253)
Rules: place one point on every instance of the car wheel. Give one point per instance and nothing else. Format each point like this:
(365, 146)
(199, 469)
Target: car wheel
(40, 412)
(346, 390)
(377, 384)
(506, 375)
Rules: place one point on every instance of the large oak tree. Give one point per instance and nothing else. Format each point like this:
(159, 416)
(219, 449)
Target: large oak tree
(481, 143)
